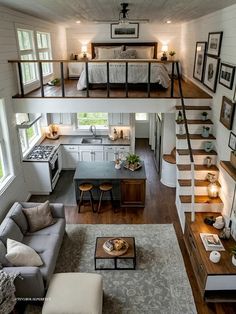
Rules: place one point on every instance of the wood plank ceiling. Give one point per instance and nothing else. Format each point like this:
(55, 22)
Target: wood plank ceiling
(68, 11)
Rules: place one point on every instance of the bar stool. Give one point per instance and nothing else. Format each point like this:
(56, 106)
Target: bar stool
(83, 188)
(105, 187)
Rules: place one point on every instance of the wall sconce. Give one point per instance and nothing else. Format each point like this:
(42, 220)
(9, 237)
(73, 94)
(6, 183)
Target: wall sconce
(164, 49)
(84, 51)
(213, 190)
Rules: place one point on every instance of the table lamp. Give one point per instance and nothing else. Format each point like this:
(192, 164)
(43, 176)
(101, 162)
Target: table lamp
(164, 49)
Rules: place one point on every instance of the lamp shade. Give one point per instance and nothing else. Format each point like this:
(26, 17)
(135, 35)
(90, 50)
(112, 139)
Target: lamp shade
(164, 48)
(84, 48)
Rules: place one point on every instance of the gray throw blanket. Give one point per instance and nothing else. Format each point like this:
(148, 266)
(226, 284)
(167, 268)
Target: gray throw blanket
(7, 289)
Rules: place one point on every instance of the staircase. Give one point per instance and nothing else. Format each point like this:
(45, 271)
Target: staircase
(202, 202)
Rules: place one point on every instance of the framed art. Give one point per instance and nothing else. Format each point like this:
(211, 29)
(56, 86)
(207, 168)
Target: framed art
(130, 30)
(211, 72)
(214, 43)
(227, 112)
(199, 60)
(232, 141)
(226, 77)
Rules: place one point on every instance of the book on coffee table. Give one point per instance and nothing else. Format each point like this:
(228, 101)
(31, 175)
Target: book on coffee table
(211, 242)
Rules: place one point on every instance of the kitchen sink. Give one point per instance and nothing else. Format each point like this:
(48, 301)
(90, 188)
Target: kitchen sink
(91, 140)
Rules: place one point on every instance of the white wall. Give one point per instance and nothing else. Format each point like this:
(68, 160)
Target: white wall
(87, 33)
(168, 133)
(197, 30)
(8, 87)
(142, 129)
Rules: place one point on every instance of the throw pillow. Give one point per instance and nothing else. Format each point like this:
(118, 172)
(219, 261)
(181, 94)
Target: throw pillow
(128, 54)
(39, 217)
(9, 229)
(20, 254)
(18, 216)
(3, 252)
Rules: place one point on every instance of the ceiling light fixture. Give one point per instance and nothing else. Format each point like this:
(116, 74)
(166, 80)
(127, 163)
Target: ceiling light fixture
(168, 22)
(123, 16)
(78, 22)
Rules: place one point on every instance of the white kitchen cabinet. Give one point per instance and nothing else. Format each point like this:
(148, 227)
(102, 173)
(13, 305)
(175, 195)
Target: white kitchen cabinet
(123, 151)
(119, 119)
(61, 118)
(91, 153)
(112, 152)
(70, 156)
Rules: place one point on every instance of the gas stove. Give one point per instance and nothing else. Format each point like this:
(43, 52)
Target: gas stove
(41, 153)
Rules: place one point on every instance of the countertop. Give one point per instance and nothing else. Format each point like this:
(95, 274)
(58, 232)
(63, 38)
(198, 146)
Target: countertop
(106, 170)
(77, 140)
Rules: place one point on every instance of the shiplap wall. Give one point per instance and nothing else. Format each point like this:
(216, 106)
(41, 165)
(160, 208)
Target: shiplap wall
(197, 30)
(87, 33)
(8, 87)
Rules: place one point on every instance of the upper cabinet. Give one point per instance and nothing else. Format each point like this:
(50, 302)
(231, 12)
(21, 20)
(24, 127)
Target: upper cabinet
(119, 119)
(61, 118)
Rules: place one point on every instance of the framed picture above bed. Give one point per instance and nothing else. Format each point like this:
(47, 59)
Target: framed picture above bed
(226, 77)
(199, 60)
(130, 30)
(214, 43)
(211, 72)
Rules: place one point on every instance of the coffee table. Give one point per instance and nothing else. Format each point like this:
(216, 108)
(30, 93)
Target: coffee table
(100, 253)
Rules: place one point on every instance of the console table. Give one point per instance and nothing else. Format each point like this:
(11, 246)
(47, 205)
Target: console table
(217, 282)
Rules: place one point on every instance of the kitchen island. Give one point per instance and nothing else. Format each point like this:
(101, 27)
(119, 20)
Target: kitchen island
(129, 187)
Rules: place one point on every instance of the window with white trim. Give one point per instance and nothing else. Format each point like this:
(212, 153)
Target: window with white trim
(99, 119)
(141, 116)
(29, 137)
(34, 45)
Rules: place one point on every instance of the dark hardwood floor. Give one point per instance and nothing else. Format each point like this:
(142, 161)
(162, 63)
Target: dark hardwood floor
(160, 208)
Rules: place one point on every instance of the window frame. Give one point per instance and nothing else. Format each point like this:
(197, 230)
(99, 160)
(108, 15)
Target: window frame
(29, 144)
(142, 120)
(86, 127)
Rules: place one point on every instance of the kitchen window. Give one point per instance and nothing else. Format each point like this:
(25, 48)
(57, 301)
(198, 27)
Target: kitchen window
(99, 119)
(34, 45)
(141, 116)
(29, 137)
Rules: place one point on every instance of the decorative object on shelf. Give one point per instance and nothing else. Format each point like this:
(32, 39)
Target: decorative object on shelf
(215, 256)
(204, 115)
(213, 190)
(211, 177)
(54, 82)
(115, 134)
(52, 132)
(118, 163)
(209, 220)
(219, 223)
(226, 77)
(180, 116)
(205, 131)
(227, 112)
(84, 51)
(225, 233)
(208, 146)
(208, 161)
(132, 162)
(164, 49)
(199, 60)
(172, 54)
(116, 246)
(211, 242)
(181, 129)
(233, 253)
(214, 43)
(211, 72)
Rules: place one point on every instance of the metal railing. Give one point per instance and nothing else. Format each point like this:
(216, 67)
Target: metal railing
(108, 83)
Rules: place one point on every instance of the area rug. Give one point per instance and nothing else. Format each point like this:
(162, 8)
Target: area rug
(158, 285)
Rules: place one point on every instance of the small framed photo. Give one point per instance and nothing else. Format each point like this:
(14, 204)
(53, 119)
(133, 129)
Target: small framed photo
(232, 141)
(128, 31)
(211, 72)
(199, 60)
(214, 43)
(226, 77)
(227, 112)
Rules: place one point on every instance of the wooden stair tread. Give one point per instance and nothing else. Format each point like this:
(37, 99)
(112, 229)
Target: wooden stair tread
(195, 137)
(200, 199)
(199, 183)
(197, 168)
(196, 121)
(169, 158)
(203, 108)
(198, 152)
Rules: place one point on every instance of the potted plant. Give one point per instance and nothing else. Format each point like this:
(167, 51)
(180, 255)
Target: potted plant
(172, 54)
(233, 253)
(54, 82)
(204, 115)
(132, 161)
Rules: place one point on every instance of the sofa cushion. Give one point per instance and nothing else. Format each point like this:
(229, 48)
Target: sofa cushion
(16, 214)
(20, 254)
(39, 217)
(57, 228)
(9, 229)
(3, 252)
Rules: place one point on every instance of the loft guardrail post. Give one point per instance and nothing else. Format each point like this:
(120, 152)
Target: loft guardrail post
(108, 80)
(172, 79)
(62, 80)
(21, 79)
(41, 78)
(149, 78)
(87, 79)
(126, 80)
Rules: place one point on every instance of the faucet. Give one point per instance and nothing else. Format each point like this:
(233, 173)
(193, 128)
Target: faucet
(92, 129)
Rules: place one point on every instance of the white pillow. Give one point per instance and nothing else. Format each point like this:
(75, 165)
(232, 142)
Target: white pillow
(20, 254)
(108, 53)
(143, 52)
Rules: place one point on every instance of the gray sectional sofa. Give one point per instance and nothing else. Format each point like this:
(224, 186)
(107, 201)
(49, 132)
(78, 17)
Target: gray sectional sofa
(33, 281)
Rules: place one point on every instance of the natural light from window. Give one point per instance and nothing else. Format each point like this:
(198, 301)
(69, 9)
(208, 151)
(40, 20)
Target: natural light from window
(99, 119)
(141, 116)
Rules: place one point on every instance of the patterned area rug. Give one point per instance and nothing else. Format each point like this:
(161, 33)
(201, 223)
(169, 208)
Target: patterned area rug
(158, 285)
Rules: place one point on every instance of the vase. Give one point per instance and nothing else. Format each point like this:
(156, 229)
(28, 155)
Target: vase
(234, 260)
(233, 159)
(205, 131)
(215, 257)
(208, 146)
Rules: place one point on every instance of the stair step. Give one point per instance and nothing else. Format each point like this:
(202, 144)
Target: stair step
(196, 121)
(200, 199)
(197, 168)
(199, 183)
(195, 137)
(184, 152)
(203, 108)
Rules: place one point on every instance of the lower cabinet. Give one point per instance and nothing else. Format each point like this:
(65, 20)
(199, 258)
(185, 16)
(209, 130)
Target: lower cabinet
(69, 156)
(91, 153)
(113, 152)
(133, 193)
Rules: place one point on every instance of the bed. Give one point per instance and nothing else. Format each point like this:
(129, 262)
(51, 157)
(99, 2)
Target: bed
(138, 56)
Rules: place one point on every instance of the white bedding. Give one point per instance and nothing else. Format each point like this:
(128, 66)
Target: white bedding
(137, 73)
